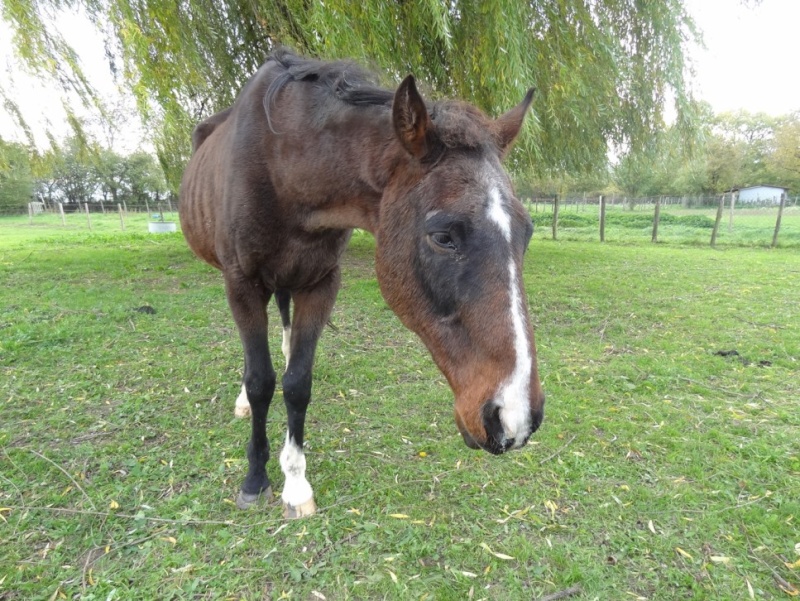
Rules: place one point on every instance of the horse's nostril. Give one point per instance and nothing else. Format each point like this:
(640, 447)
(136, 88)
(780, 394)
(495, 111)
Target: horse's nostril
(496, 441)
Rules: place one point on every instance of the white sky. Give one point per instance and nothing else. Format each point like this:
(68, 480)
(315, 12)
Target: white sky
(751, 63)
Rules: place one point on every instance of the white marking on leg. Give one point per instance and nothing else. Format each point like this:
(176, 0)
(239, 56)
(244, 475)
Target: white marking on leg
(286, 345)
(242, 408)
(513, 394)
(296, 489)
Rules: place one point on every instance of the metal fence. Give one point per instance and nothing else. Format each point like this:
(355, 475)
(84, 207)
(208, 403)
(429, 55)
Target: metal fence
(683, 220)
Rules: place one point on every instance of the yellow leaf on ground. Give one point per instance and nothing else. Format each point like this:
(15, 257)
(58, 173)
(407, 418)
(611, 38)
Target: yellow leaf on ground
(113, 505)
(399, 516)
(794, 565)
(750, 590)
(682, 552)
(502, 556)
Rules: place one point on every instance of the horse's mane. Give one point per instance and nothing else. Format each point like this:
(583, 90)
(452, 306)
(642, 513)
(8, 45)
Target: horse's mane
(458, 123)
(344, 80)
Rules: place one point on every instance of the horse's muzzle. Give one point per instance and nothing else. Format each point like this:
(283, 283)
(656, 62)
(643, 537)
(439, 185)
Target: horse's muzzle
(497, 441)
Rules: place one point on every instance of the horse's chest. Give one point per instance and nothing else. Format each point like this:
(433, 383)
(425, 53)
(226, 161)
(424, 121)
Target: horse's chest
(303, 261)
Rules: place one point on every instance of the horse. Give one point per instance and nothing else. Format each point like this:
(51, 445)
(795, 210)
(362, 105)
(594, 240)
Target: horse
(277, 182)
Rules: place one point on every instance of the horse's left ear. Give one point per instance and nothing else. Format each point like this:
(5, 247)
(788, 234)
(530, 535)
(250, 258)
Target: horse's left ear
(410, 118)
(507, 126)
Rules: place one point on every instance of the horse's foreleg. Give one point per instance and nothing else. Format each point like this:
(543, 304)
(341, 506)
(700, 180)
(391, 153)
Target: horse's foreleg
(248, 303)
(312, 308)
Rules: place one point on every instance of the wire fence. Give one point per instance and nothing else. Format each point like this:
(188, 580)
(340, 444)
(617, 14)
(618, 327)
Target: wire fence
(718, 220)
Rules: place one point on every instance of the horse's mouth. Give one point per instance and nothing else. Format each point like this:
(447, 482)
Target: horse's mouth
(468, 440)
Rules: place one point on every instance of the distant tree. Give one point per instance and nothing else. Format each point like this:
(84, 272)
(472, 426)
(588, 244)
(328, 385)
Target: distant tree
(16, 177)
(145, 178)
(72, 172)
(784, 161)
(111, 172)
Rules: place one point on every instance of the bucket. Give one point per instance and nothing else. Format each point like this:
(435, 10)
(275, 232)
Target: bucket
(161, 227)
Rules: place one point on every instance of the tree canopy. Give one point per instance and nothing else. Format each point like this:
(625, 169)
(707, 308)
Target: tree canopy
(604, 70)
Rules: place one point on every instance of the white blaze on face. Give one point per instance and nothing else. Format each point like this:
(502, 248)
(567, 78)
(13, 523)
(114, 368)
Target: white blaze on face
(513, 394)
(296, 489)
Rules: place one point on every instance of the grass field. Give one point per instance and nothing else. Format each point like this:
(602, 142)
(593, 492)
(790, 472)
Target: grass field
(662, 471)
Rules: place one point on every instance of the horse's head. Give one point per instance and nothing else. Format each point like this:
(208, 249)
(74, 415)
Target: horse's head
(451, 241)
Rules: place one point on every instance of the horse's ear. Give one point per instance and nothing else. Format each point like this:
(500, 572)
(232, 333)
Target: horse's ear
(410, 118)
(507, 126)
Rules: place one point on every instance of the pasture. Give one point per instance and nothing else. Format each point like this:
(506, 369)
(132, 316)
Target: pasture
(663, 469)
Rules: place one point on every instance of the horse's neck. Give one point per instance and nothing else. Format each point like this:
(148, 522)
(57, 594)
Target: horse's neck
(366, 177)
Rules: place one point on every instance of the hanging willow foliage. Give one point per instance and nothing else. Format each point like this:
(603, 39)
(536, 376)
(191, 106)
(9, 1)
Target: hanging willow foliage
(604, 69)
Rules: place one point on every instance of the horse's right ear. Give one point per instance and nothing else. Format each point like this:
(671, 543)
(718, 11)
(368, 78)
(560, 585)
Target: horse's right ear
(410, 118)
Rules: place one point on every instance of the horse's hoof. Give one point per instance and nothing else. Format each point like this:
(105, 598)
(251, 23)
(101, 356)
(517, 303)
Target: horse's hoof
(246, 500)
(291, 512)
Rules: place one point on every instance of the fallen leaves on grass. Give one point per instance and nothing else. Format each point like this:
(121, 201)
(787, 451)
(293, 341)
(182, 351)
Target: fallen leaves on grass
(502, 556)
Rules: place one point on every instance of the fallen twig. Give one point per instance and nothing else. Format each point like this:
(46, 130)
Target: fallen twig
(558, 452)
(66, 473)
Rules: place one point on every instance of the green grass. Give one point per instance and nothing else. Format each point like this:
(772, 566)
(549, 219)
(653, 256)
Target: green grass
(662, 470)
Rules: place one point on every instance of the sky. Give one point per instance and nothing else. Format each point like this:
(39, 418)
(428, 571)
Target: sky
(750, 63)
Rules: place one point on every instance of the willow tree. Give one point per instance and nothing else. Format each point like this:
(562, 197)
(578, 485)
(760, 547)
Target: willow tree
(605, 70)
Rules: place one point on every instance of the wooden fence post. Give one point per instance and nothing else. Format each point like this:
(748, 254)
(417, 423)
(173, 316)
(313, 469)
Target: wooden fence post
(656, 217)
(730, 215)
(88, 219)
(121, 218)
(61, 211)
(778, 222)
(602, 218)
(30, 213)
(720, 208)
(555, 217)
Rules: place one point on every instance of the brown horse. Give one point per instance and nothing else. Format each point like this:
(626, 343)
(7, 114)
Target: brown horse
(311, 150)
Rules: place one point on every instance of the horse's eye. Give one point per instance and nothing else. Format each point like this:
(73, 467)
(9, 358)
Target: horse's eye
(443, 240)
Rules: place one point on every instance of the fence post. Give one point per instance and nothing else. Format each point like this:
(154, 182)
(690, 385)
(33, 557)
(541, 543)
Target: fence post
(730, 216)
(656, 217)
(61, 211)
(30, 213)
(602, 218)
(720, 208)
(555, 217)
(88, 219)
(121, 219)
(778, 222)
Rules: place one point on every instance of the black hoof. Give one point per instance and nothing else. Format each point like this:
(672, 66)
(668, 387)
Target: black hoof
(246, 500)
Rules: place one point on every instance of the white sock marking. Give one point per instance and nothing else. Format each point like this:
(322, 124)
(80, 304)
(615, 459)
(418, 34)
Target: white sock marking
(513, 394)
(286, 345)
(296, 489)
(242, 408)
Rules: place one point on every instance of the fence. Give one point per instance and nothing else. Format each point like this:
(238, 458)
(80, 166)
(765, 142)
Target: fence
(682, 220)
(718, 220)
